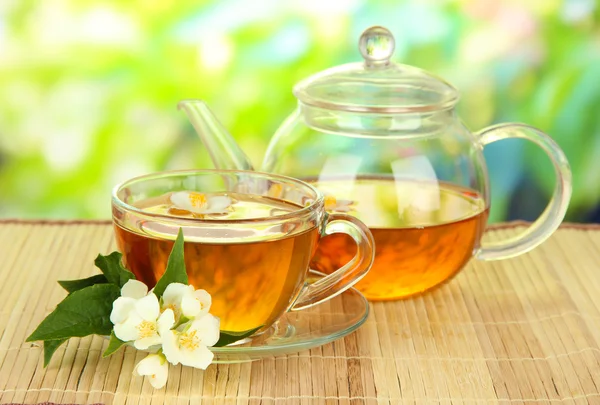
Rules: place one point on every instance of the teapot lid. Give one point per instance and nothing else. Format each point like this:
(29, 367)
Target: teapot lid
(378, 84)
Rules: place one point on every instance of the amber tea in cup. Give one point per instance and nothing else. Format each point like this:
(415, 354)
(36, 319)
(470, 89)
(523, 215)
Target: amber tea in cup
(243, 274)
(248, 249)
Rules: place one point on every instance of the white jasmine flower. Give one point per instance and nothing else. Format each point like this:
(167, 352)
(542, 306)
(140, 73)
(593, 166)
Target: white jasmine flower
(277, 191)
(132, 291)
(141, 324)
(189, 344)
(199, 203)
(155, 367)
(333, 204)
(186, 301)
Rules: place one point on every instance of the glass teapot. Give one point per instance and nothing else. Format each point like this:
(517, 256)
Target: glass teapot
(383, 142)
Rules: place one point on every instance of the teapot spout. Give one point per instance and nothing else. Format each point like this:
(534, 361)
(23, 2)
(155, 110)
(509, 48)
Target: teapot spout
(224, 151)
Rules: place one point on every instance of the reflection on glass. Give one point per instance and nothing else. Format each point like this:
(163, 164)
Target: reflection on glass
(416, 186)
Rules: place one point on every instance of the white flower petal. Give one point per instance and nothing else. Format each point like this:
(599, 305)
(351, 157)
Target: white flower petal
(122, 307)
(173, 296)
(181, 199)
(134, 289)
(190, 306)
(204, 299)
(149, 365)
(207, 329)
(156, 368)
(201, 357)
(144, 343)
(166, 321)
(159, 379)
(218, 203)
(128, 331)
(173, 293)
(170, 347)
(148, 307)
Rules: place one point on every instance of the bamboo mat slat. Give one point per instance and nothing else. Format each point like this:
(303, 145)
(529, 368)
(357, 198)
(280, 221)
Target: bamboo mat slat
(518, 331)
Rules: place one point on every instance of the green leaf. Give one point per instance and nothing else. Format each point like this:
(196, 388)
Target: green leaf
(113, 269)
(76, 285)
(228, 337)
(113, 345)
(82, 313)
(50, 347)
(175, 271)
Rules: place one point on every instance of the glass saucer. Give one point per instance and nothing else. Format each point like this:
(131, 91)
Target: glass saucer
(301, 330)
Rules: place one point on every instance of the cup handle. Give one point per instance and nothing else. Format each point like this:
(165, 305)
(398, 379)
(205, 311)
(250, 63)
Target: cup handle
(555, 211)
(347, 275)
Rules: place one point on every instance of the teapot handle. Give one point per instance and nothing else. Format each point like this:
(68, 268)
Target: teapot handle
(555, 211)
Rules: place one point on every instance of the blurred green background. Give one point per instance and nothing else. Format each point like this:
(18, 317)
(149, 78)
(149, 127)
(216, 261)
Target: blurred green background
(89, 89)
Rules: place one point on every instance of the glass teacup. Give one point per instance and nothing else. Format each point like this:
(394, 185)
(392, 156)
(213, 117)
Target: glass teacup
(249, 238)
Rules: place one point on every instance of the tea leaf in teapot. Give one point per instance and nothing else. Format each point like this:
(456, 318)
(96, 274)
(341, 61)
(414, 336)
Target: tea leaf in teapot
(114, 344)
(76, 285)
(50, 347)
(175, 271)
(113, 269)
(82, 313)
(228, 337)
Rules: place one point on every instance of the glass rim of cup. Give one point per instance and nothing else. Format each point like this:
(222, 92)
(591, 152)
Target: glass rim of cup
(317, 201)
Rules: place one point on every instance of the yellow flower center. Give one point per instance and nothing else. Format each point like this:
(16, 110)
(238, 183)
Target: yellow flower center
(330, 202)
(189, 340)
(146, 329)
(198, 200)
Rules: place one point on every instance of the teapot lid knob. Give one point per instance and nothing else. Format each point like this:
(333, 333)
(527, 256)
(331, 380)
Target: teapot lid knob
(376, 46)
(376, 84)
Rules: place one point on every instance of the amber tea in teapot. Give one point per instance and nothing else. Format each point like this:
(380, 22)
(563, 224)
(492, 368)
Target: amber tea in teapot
(414, 249)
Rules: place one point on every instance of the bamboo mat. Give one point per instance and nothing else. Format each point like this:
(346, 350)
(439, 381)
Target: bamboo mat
(525, 330)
